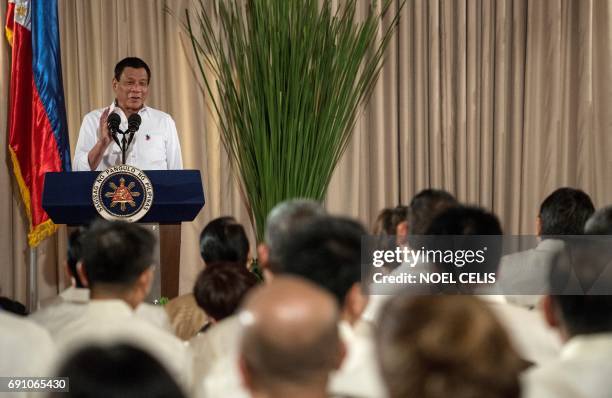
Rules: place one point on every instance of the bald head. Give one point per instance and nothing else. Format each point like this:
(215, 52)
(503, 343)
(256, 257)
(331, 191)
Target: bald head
(290, 334)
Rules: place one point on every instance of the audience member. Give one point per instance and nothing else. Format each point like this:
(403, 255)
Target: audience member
(283, 219)
(524, 275)
(26, 349)
(445, 346)
(222, 240)
(534, 341)
(219, 291)
(117, 267)
(220, 288)
(116, 371)
(291, 341)
(584, 322)
(327, 251)
(423, 208)
(70, 303)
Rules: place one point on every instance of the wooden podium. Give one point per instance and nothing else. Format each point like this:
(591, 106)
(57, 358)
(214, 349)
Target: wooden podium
(178, 196)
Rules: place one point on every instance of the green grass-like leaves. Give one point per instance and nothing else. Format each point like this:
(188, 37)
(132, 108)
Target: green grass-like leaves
(286, 80)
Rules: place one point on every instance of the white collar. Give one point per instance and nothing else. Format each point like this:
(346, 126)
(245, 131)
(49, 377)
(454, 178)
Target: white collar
(115, 308)
(588, 343)
(75, 295)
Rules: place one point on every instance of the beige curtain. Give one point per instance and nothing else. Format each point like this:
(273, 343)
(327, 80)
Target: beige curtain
(500, 102)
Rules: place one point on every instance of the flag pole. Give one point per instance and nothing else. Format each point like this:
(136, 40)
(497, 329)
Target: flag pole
(33, 281)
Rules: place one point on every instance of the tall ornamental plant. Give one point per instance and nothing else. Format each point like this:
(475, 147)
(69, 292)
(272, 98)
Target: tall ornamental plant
(286, 79)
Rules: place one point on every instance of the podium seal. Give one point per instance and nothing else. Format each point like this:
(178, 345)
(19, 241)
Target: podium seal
(122, 193)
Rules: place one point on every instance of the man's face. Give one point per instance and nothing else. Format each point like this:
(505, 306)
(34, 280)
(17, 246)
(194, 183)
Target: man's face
(132, 88)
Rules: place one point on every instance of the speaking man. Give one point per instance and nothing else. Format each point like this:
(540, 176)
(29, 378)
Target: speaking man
(153, 139)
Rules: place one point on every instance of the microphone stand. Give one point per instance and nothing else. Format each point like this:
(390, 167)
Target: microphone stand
(124, 141)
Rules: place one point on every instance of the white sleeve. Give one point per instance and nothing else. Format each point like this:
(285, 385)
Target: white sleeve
(88, 136)
(173, 147)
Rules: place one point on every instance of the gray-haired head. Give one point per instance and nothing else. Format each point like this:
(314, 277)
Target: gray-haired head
(600, 223)
(283, 220)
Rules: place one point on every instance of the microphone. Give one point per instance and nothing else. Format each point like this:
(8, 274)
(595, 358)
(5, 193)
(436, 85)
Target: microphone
(113, 121)
(133, 125)
(134, 122)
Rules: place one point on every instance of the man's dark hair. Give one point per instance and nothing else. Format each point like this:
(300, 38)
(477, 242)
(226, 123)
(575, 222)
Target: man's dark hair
(220, 288)
(13, 306)
(74, 253)
(131, 62)
(224, 239)
(116, 252)
(466, 221)
(116, 371)
(326, 251)
(588, 260)
(425, 206)
(600, 223)
(565, 211)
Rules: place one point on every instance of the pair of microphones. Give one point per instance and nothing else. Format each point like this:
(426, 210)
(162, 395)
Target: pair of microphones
(113, 122)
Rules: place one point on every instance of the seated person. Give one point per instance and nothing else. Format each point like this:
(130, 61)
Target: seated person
(445, 346)
(117, 266)
(219, 291)
(70, 303)
(584, 323)
(223, 239)
(116, 371)
(533, 339)
(26, 349)
(291, 341)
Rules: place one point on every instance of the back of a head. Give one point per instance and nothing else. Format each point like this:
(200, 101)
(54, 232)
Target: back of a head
(326, 251)
(425, 206)
(600, 223)
(224, 239)
(116, 253)
(589, 261)
(220, 288)
(565, 212)
(383, 225)
(290, 335)
(117, 371)
(468, 221)
(284, 218)
(445, 346)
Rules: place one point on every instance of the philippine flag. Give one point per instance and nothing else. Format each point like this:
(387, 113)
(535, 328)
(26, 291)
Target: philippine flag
(37, 127)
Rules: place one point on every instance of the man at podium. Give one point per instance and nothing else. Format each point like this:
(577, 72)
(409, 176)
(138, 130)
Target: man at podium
(151, 136)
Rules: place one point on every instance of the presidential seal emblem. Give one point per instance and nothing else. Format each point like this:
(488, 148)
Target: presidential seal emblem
(122, 193)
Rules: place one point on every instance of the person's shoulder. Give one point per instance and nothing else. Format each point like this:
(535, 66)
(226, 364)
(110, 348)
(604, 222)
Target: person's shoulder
(158, 113)
(24, 327)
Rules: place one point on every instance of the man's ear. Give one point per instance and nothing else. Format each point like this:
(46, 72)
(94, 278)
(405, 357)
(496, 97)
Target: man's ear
(355, 303)
(145, 281)
(245, 373)
(263, 257)
(549, 312)
(341, 355)
(82, 275)
(115, 83)
(538, 226)
(402, 232)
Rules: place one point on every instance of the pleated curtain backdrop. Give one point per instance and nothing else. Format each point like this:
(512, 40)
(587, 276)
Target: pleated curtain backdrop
(499, 102)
